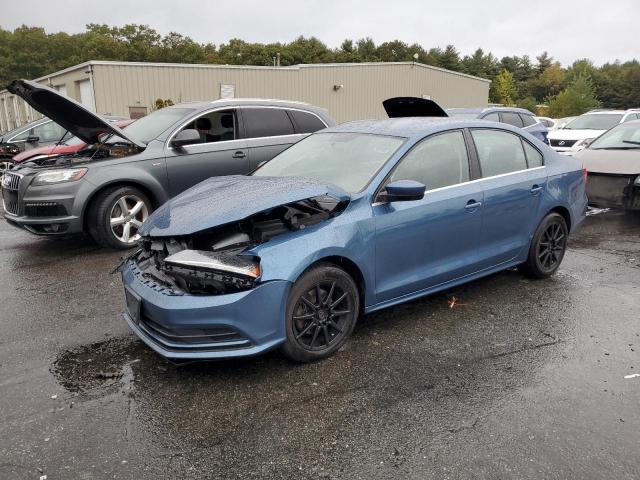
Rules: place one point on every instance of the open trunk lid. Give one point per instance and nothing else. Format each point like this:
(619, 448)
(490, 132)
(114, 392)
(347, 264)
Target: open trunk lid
(399, 107)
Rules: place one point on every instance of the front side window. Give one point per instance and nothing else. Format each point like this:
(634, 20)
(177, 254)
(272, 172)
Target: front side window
(266, 122)
(218, 126)
(436, 162)
(512, 119)
(348, 160)
(499, 152)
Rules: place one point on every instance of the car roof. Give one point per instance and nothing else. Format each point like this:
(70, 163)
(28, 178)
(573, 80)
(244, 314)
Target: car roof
(611, 111)
(262, 102)
(489, 110)
(413, 127)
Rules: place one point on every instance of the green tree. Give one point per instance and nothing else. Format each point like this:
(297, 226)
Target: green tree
(577, 98)
(505, 88)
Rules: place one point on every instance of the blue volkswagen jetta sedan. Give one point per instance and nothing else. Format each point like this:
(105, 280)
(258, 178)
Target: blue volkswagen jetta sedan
(350, 220)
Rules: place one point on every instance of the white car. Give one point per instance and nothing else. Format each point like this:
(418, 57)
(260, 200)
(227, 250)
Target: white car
(582, 130)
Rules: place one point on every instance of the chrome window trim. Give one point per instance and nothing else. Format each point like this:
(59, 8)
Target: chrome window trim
(238, 107)
(473, 181)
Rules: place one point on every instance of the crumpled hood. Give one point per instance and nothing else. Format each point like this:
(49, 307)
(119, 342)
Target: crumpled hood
(221, 200)
(615, 162)
(67, 113)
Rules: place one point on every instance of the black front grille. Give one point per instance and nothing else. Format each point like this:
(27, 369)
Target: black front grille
(44, 210)
(10, 201)
(562, 143)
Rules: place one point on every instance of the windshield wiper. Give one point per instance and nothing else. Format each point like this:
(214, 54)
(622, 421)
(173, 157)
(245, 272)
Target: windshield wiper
(631, 142)
(617, 148)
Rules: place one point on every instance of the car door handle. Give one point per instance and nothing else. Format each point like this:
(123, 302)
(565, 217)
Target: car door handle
(536, 189)
(239, 154)
(472, 205)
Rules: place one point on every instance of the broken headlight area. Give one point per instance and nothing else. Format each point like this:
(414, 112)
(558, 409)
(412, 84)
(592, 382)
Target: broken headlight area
(214, 261)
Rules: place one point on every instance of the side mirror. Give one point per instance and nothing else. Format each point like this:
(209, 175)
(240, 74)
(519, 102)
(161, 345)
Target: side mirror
(186, 137)
(402, 191)
(32, 139)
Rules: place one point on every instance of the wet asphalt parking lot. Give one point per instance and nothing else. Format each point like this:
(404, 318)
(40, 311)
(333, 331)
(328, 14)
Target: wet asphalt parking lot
(520, 379)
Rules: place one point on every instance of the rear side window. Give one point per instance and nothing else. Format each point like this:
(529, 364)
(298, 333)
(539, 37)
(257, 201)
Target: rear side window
(494, 117)
(528, 120)
(436, 162)
(534, 157)
(499, 152)
(266, 122)
(305, 122)
(512, 119)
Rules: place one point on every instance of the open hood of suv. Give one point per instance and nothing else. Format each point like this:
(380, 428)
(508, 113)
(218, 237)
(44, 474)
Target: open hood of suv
(66, 112)
(399, 107)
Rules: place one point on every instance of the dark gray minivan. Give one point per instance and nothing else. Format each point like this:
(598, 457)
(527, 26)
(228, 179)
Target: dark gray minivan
(112, 186)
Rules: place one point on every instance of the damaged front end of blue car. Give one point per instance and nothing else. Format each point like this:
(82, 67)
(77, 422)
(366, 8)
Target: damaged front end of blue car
(195, 288)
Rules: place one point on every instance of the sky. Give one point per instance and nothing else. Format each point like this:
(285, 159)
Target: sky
(567, 29)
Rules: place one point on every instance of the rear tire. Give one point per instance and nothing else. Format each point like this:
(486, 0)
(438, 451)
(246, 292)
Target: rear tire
(321, 313)
(115, 215)
(547, 248)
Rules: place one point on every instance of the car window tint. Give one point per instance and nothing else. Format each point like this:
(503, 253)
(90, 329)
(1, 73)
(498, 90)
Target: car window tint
(436, 162)
(512, 119)
(48, 132)
(498, 152)
(494, 117)
(266, 122)
(534, 157)
(306, 122)
(527, 120)
(218, 126)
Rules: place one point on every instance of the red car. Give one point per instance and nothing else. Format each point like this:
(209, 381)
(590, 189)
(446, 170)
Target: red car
(70, 146)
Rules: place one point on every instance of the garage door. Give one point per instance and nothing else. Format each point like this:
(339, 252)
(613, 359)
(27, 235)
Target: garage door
(86, 95)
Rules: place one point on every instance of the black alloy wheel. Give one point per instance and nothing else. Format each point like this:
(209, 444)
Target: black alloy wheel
(321, 313)
(547, 247)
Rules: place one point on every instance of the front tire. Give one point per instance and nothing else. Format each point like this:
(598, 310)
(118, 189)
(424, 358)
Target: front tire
(321, 313)
(547, 248)
(115, 216)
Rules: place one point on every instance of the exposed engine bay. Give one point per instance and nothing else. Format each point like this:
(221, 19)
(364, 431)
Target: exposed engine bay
(213, 261)
(100, 151)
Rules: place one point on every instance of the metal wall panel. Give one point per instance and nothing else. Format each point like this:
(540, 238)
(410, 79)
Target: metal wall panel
(348, 91)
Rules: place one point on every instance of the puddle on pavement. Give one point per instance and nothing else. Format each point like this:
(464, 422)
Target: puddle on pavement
(97, 365)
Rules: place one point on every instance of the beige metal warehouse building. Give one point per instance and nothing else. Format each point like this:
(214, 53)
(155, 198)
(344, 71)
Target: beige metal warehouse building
(348, 90)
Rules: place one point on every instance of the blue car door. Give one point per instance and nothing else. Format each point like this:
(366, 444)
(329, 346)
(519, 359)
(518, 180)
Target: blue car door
(513, 179)
(423, 243)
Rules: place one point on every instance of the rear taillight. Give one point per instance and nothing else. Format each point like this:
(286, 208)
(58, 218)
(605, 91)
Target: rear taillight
(585, 174)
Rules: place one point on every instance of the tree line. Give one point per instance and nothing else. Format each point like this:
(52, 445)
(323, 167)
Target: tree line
(31, 52)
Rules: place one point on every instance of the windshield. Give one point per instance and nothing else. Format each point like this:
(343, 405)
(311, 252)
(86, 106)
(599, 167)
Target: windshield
(73, 141)
(149, 127)
(594, 121)
(625, 136)
(348, 160)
